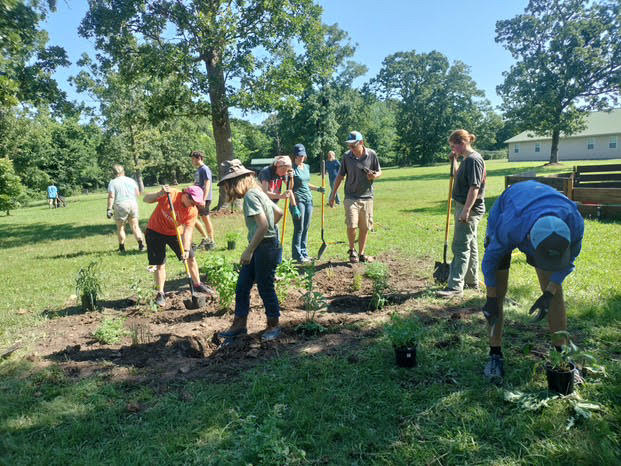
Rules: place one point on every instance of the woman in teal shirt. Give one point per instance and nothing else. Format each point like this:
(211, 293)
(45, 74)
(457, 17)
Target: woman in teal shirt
(303, 211)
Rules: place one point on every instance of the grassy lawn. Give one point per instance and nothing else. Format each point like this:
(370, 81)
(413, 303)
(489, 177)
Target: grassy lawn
(323, 408)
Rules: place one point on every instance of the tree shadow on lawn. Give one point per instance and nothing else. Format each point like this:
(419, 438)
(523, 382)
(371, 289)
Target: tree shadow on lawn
(19, 235)
(440, 207)
(446, 176)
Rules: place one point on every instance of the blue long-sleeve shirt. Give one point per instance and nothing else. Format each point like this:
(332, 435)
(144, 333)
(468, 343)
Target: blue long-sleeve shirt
(514, 214)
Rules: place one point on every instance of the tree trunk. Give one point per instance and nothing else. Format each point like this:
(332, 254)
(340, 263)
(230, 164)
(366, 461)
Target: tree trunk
(554, 150)
(138, 172)
(219, 117)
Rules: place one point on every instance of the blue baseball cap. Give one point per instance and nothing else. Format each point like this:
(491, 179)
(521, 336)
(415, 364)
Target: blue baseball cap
(354, 137)
(299, 150)
(550, 237)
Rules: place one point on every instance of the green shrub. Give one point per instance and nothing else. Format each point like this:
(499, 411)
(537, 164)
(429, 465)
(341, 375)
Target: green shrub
(403, 331)
(221, 275)
(111, 331)
(378, 273)
(286, 277)
(88, 285)
(494, 154)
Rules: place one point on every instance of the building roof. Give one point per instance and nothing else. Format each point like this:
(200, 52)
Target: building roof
(598, 124)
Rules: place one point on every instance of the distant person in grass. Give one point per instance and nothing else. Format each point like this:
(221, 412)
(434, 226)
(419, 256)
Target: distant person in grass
(333, 166)
(360, 168)
(263, 254)
(272, 178)
(302, 211)
(123, 206)
(161, 231)
(202, 179)
(52, 194)
(469, 203)
(548, 228)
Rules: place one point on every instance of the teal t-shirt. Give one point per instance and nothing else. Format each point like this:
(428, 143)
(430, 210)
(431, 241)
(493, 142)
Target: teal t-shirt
(256, 202)
(124, 189)
(301, 178)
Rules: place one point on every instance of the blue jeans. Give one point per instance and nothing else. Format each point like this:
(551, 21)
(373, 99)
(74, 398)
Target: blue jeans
(300, 230)
(337, 200)
(262, 270)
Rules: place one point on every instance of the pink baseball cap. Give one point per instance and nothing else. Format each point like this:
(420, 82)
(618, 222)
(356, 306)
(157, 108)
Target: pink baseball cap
(196, 193)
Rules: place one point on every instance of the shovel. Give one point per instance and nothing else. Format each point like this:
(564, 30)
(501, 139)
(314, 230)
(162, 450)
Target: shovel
(197, 301)
(441, 269)
(284, 218)
(324, 245)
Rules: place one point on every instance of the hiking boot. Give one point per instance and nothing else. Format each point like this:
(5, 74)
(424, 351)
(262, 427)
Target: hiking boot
(494, 369)
(272, 331)
(121, 247)
(160, 299)
(364, 258)
(202, 288)
(202, 244)
(449, 293)
(237, 328)
(140, 246)
(353, 256)
(210, 246)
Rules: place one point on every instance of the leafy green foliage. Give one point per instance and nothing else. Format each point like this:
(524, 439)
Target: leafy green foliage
(145, 295)
(403, 331)
(222, 275)
(10, 186)
(567, 54)
(570, 354)
(356, 284)
(88, 283)
(378, 273)
(286, 277)
(111, 331)
(314, 301)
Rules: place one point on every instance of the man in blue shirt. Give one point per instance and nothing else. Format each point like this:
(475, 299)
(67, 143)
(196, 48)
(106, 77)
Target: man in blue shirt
(202, 179)
(546, 226)
(52, 194)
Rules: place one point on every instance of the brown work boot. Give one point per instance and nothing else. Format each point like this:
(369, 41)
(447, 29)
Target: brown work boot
(237, 328)
(272, 331)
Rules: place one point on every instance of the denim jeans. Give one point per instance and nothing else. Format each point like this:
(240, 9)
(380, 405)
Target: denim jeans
(300, 230)
(337, 199)
(262, 270)
(465, 264)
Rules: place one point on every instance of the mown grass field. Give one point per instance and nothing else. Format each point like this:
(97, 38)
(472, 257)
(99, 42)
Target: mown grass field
(320, 409)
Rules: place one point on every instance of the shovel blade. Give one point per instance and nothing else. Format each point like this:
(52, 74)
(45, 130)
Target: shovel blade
(196, 302)
(441, 272)
(322, 249)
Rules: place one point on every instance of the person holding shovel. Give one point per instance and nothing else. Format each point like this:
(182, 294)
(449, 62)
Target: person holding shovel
(360, 168)
(302, 210)
(263, 254)
(468, 198)
(161, 231)
(202, 179)
(272, 178)
(548, 228)
(123, 206)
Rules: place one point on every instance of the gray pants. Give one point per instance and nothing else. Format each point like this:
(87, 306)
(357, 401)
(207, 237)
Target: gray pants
(465, 264)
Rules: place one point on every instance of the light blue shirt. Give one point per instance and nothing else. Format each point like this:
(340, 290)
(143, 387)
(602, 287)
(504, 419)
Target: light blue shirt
(52, 192)
(123, 188)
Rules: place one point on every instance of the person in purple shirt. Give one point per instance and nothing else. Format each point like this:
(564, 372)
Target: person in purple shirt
(202, 179)
(546, 226)
(333, 166)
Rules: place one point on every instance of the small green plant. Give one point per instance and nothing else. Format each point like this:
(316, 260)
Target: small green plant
(140, 333)
(111, 331)
(88, 285)
(378, 273)
(145, 295)
(286, 277)
(561, 361)
(314, 301)
(231, 236)
(356, 284)
(222, 275)
(403, 332)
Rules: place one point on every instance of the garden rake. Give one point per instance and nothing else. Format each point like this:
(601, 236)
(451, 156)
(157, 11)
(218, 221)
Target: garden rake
(441, 269)
(197, 301)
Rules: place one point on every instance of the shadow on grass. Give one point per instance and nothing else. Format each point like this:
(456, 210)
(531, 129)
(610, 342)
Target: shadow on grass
(18, 235)
(445, 176)
(441, 206)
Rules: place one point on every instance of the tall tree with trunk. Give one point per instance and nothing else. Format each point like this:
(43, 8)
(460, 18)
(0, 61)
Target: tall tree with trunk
(250, 54)
(568, 56)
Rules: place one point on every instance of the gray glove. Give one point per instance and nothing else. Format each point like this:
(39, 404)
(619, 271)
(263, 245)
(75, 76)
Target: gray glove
(542, 305)
(109, 213)
(321, 190)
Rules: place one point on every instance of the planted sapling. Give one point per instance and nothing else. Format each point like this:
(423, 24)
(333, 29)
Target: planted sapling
(88, 286)
(111, 331)
(404, 333)
(286, 277)
(378, 273)
(314, 301)
(222, 275)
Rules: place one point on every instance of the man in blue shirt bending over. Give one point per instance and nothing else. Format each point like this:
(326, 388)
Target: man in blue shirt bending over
(546, 226)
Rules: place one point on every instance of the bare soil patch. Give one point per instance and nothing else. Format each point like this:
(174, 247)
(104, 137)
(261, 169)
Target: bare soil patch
(175, 343)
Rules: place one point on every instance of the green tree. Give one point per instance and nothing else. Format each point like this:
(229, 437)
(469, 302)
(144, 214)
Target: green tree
(250, 54)
(10, 186)
(433, 97)
(568, 56)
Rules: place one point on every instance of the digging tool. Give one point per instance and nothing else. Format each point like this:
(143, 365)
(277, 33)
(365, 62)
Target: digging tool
(324, 245)
(441, 269)
(197, 301)
(284, 218)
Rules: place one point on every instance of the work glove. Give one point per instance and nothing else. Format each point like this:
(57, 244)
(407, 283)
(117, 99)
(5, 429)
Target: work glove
(296, 213)
(109, 213)
(321, 190)
(490, 310)
(542, 305)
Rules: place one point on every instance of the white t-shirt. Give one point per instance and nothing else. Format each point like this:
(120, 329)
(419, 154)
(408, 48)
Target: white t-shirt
(123, 188)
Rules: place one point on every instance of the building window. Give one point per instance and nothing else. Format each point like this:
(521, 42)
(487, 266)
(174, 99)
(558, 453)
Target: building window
(537, 147)
(612, 144)
(516, 148)
(590, 143)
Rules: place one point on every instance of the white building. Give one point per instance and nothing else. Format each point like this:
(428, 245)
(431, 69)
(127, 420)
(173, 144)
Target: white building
(601, 139)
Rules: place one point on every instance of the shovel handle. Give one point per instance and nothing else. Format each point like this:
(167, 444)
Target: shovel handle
(185, 262)
(284, 218)
(448, 212)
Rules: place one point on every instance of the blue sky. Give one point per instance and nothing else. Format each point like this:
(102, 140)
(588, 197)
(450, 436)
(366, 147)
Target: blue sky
(461, 30)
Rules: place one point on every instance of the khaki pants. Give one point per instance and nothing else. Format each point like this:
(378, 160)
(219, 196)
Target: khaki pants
(359, 213)
(465, 264)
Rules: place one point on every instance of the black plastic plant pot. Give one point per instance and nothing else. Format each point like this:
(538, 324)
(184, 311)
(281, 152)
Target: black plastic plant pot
(230, 245)
(89, 302)
(405, 356)
(560, 381)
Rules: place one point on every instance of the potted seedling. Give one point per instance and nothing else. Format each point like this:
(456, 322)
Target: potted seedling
(560, 365)
(231, 240)
(88, 286)
(404, 333)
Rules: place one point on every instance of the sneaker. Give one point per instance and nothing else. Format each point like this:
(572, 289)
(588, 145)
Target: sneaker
(140, 246)
(271, 334)
(203, 244)
(121, 247)
(365, 258)
(202, 288)
(353, 256)
(494, 369)
(160, 299)
(210, 246)
(304, 260)
(475, 287)
(449, 293)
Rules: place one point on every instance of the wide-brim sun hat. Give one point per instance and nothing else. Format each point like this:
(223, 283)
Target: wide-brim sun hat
(196, 193)
(354, 137)
(550, 237)
(233, 169)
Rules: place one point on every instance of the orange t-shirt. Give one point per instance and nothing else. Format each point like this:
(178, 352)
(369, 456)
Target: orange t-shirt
(161, 219)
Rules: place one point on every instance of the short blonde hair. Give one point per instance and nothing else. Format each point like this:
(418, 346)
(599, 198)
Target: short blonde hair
(118, 169)
(461, 135)
(236, 188)
(282, 160)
